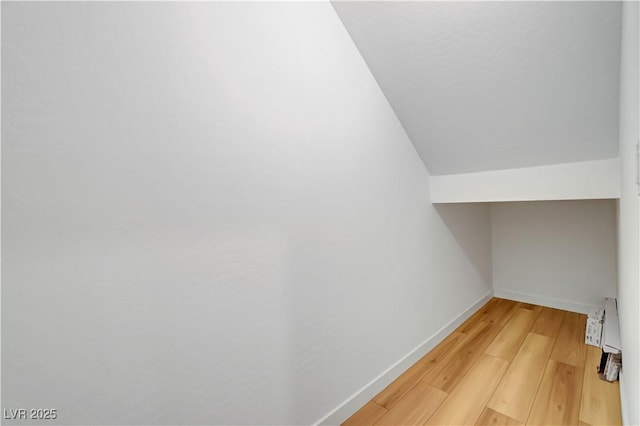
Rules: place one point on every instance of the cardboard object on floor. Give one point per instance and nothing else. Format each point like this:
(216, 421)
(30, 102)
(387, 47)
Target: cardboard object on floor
(593, 333)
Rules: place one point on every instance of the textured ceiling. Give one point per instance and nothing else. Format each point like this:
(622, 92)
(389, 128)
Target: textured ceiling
(495, 85)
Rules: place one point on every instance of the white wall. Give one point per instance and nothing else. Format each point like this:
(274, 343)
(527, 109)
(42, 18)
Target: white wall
(211, 215)
(570, 181)
(556, 253)
(629, 217)
(470, 224)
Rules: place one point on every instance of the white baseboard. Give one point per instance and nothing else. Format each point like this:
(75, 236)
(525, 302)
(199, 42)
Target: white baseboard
(565, 305)
(623, 400)
(364, 395)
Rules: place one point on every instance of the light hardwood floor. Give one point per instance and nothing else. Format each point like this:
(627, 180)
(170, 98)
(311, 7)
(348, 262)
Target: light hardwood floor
(511, 363)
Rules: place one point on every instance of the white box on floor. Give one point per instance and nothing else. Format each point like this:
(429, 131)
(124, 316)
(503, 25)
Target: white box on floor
(593, 333)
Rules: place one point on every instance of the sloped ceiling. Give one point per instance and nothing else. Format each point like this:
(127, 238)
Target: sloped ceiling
(495, 85)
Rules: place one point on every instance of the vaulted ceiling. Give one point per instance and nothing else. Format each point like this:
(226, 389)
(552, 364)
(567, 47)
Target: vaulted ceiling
(496, 85)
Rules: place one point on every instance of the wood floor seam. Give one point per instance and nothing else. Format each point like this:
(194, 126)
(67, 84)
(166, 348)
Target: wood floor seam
(536, 395)
(540, 383)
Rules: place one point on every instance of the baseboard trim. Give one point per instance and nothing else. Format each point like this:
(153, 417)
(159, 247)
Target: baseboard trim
(623, 400)
(364, 395)
(550, 302)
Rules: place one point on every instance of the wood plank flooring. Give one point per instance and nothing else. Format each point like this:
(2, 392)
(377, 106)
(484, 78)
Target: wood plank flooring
(510, 363)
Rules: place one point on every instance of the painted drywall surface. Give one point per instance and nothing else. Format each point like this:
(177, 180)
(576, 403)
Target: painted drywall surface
(629, 217)
(468, 224)
(598, 179)
(210, 216)
(561, 251)
(496, 85)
